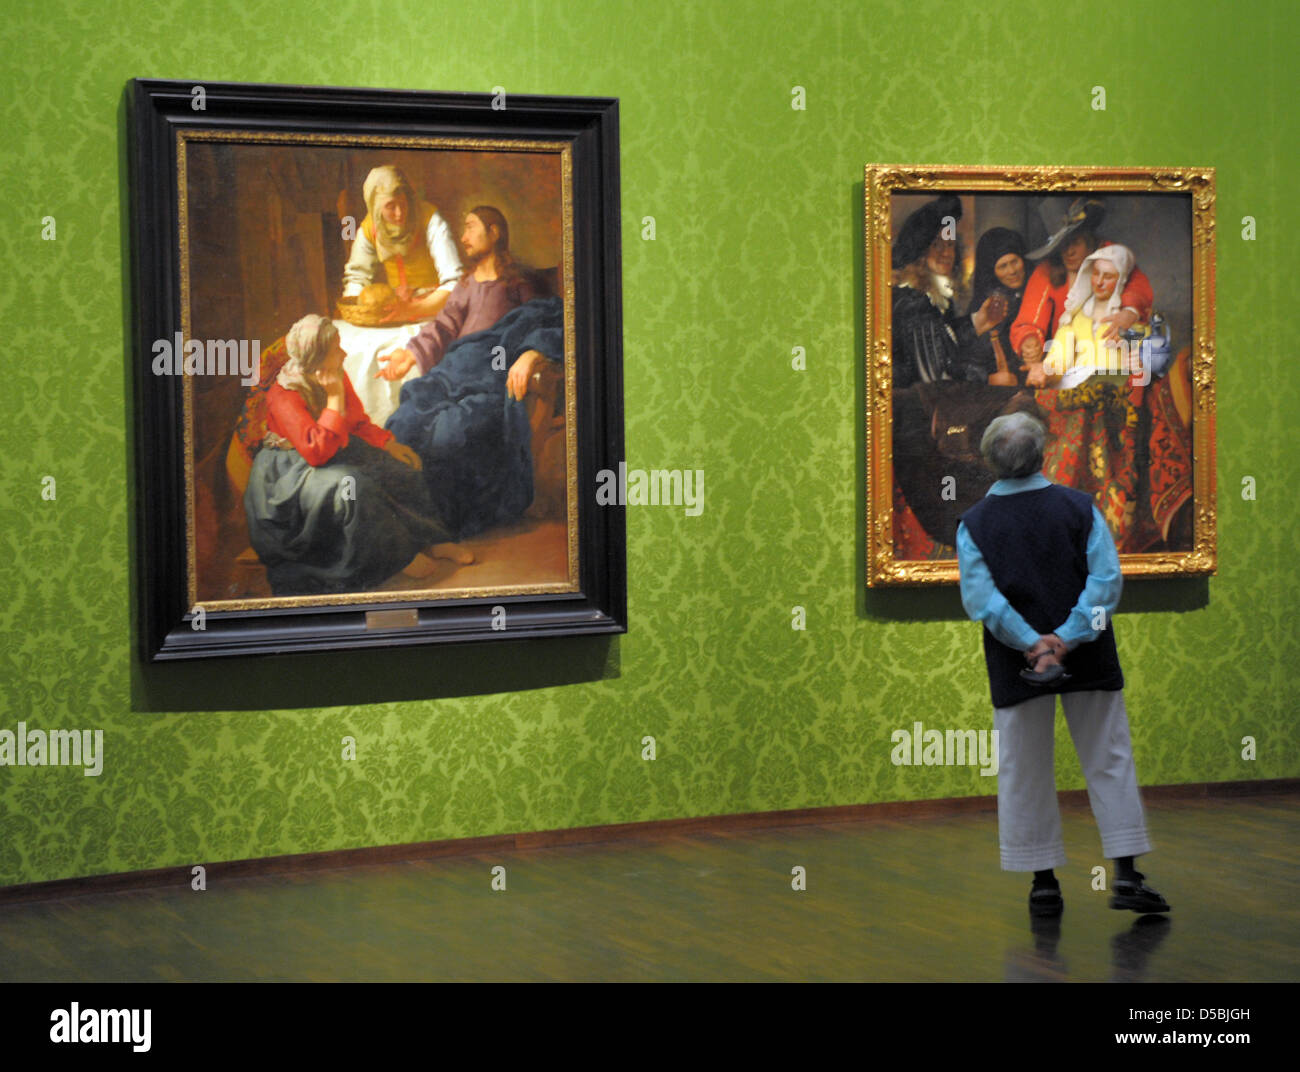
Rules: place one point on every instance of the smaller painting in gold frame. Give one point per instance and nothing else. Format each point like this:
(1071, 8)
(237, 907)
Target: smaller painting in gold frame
(1084, 295)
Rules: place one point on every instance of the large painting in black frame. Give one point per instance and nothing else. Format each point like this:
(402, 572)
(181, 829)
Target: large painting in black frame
(198, 582)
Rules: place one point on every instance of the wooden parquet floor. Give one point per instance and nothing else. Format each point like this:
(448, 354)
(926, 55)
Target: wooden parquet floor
(916, 900)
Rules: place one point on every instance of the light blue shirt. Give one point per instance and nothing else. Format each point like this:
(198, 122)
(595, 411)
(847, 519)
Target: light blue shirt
(984, 603)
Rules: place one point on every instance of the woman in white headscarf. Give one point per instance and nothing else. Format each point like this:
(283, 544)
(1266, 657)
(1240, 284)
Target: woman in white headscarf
(1081, 346)
(334, 502)
(410, 241)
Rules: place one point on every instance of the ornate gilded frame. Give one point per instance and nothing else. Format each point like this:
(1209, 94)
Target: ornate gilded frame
(881, 182)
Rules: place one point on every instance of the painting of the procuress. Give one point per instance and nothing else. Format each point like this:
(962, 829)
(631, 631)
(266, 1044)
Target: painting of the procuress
(1075, 332)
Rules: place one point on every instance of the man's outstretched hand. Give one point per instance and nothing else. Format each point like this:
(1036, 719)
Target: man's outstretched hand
(397, 364)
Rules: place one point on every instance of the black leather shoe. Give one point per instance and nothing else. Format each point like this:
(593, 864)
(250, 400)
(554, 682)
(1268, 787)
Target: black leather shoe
(1046, 901)
(1135, 894)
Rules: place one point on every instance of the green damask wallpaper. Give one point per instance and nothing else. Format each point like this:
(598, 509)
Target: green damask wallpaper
(757, 250)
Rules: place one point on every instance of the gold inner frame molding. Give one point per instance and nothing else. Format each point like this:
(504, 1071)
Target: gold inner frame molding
(565, 152)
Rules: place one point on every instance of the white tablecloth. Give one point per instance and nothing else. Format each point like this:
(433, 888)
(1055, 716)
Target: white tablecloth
(363, 346)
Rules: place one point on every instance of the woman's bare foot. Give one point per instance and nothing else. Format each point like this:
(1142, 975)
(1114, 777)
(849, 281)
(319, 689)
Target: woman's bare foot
(453, 551)
(420, 566)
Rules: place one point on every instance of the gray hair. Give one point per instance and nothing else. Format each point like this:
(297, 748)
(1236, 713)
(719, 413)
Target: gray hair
(1013, 445)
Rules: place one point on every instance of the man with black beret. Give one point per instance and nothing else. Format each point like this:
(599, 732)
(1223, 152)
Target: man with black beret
(928, 333)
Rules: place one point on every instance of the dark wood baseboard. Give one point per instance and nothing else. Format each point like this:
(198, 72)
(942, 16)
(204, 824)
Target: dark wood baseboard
(707, 824)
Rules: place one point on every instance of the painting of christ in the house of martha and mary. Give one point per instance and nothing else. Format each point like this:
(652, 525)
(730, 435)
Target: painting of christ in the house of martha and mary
(408, 429)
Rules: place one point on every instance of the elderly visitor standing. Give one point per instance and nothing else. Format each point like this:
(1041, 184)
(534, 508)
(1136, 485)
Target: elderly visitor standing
(1040, 571)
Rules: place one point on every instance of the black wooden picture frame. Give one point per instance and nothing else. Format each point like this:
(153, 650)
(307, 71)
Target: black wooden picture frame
(171, 624)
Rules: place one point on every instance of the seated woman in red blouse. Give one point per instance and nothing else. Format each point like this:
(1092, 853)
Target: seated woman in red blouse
(334, 502)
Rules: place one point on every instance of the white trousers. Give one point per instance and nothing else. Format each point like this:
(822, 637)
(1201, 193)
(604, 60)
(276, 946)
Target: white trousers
(1029, 818)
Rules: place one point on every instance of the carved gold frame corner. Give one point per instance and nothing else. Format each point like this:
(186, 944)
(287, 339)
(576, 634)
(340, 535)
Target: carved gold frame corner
(881, 181)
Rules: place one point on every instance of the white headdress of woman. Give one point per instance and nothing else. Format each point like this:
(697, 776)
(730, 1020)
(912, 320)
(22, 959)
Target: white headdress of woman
(1081, 296)
(308, 343)
(382, 184)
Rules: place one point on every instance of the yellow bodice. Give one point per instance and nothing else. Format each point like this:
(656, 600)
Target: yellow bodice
(417, 268)
(1078, 350)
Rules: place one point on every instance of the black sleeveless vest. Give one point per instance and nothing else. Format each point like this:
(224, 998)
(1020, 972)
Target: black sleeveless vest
(1036, 546)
